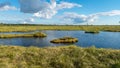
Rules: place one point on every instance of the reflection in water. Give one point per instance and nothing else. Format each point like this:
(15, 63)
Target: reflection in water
(101, 40)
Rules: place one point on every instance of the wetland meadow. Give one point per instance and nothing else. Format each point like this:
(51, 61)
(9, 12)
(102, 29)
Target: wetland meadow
(30, 46)
(59, 33)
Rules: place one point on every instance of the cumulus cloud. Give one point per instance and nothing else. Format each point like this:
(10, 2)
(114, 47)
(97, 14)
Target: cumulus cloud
(44, 9)
(6, 6)
(48, 11)
(81, 18)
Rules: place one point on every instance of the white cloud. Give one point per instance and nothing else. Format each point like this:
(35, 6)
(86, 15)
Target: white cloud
(81, 18)
(77, 18)
(43, 9)
(29, 20)
(6, 6)
(48, 11)
(47, 14)
(109, 13)
(63, 5)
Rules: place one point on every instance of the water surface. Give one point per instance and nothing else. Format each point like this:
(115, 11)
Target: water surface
(101, 40)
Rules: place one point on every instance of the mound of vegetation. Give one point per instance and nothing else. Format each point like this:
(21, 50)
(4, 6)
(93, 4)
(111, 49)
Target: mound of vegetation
(39, 34)
(92, 32)
(58, 57)
(65, 40)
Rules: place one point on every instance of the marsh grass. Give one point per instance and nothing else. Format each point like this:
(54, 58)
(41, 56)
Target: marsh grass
(26, 28)
(38, 34)
(58, 57)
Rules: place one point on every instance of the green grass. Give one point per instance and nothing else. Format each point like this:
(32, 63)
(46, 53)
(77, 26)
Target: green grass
(38, 34)
(26, 28)
(58, 57)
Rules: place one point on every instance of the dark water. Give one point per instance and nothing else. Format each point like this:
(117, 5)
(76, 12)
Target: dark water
(101, 40)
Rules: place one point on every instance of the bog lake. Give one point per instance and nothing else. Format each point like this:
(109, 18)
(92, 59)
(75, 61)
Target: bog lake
(100, 40)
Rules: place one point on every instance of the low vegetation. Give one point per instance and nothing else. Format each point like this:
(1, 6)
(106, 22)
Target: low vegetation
(58, 57)
(92, 32)
(26, 28)
(38, 34)
(65, 40)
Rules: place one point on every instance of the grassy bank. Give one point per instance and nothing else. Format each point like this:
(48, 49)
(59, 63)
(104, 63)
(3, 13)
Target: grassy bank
(58, 57)
(25, 28)
(38, 34)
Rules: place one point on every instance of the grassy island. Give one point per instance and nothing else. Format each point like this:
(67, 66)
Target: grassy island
(58, 57)
(38, 34)
(65, 40)
(92, 32)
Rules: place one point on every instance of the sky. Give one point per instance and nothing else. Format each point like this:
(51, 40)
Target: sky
(66, 12)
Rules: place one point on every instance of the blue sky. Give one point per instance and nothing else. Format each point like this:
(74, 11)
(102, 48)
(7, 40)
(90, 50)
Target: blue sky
(103, 12)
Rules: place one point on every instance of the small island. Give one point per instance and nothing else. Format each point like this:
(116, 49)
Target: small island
(38, 34)
(65, 40)
(92, 32)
